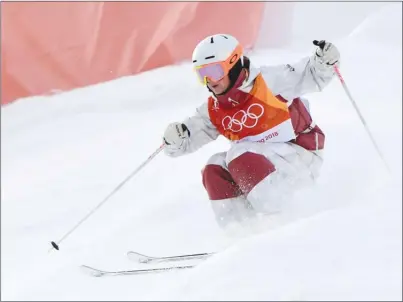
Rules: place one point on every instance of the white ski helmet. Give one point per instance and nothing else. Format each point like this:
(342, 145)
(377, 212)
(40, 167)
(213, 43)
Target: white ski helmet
(215, 56)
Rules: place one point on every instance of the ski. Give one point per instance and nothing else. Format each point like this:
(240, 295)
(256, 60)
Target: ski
(134, 256)
(99, 273)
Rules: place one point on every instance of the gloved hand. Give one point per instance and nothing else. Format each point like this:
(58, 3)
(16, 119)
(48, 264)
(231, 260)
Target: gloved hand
(327, 53)
(175, 135)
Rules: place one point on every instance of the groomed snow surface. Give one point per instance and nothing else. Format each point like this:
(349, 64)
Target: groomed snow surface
(62, 154)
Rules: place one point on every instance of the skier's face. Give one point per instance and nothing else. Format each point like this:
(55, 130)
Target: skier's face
(219, 86)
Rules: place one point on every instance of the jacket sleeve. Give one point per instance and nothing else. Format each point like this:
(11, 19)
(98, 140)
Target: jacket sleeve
(294, 80)
(202, 132)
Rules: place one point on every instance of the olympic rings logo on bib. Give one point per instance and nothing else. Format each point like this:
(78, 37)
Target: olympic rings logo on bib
(242, 118)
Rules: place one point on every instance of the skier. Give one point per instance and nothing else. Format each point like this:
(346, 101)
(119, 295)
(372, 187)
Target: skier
(276, 147)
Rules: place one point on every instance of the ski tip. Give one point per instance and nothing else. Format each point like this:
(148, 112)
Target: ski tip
(91, 271)
(134, 256)
(135, 253)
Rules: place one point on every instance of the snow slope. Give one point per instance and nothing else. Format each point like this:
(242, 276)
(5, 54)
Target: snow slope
(62, 154)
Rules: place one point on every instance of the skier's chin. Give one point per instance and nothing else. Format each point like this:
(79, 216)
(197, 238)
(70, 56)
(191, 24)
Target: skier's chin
(217, 89)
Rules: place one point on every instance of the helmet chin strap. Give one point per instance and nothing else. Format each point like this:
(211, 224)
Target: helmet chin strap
(210, 90)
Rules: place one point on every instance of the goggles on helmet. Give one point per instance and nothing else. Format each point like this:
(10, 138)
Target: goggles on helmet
(218, 70)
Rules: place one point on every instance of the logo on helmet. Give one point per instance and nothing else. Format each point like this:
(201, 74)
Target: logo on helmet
(233, 59)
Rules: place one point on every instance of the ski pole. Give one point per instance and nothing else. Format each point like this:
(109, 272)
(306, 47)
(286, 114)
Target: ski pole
(336, 69)
(322, 44)
(56, 244)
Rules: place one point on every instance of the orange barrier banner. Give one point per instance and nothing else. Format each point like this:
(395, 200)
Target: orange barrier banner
(49, 46)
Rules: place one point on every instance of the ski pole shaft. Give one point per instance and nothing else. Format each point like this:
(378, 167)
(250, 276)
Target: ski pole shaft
(336, 69)
(56, 244)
